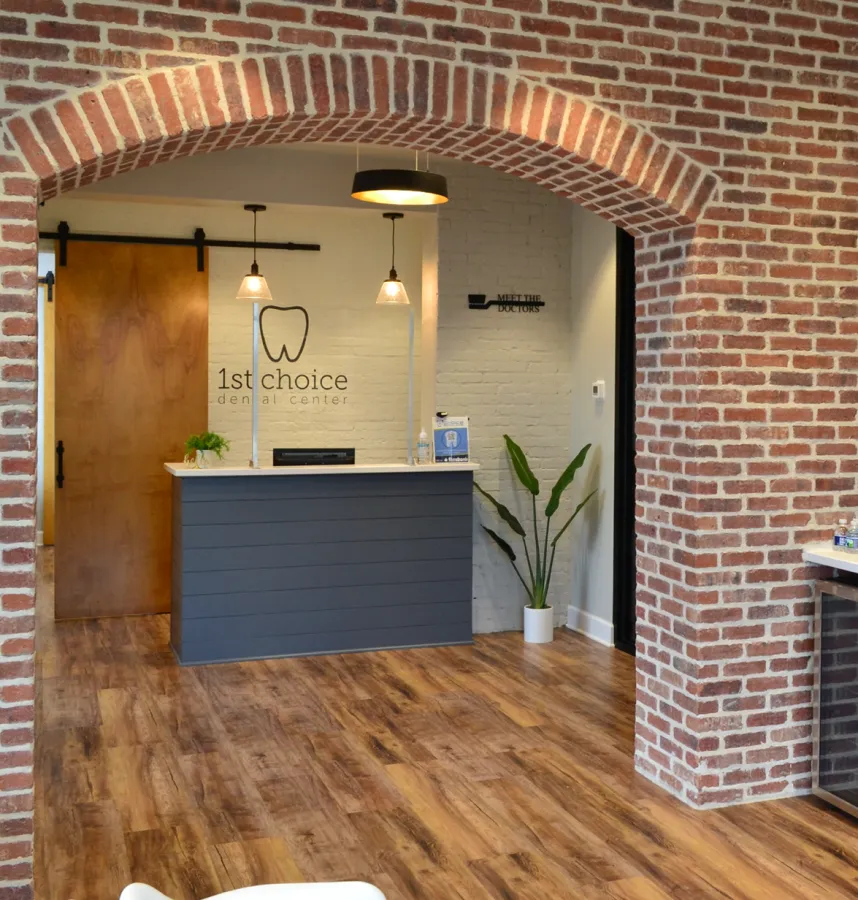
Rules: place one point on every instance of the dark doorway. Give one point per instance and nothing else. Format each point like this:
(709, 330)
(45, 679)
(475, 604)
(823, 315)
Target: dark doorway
(624, 449)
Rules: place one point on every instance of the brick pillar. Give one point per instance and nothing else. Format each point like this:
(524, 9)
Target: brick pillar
(18, 276)
(746, 434)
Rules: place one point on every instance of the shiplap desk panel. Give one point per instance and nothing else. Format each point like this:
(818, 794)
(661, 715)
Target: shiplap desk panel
(329, 563)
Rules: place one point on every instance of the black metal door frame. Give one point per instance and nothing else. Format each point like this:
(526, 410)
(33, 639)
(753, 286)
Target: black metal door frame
(625, 582)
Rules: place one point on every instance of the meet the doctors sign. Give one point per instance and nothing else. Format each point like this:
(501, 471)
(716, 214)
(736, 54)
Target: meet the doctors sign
(283, 332)
(521, 303)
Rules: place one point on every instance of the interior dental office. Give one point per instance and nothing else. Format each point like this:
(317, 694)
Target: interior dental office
(334, 366)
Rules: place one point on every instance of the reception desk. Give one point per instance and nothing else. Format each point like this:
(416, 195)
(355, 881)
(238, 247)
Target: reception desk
(319, 559)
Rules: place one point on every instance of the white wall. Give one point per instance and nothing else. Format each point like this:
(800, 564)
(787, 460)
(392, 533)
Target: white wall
(349, 336)
(46, 264)
(511, 372)
(592, 351)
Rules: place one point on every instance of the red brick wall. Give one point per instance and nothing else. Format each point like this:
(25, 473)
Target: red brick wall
(748, 370)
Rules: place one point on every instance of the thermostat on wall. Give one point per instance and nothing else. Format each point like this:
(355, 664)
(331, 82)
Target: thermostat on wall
(598, 390)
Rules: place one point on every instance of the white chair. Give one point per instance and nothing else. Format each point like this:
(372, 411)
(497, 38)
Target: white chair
(329, 890)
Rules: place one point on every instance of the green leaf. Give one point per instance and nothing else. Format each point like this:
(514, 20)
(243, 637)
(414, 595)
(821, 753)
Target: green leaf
(208, 440)
(565, 480)
(578, 509)
(501, 543)
(521, 466)
(503, 512)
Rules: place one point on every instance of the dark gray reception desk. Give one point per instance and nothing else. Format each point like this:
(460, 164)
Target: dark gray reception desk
(326, 559)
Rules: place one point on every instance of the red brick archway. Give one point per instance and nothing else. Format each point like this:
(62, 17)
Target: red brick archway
(575, 148)
(571, 146)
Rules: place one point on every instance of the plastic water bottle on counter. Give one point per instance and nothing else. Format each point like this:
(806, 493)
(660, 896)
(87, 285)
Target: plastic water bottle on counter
(840, 533)
(852, 536)
(423, 448)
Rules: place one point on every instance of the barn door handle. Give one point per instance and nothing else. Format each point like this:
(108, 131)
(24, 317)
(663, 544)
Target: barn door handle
(60, 451)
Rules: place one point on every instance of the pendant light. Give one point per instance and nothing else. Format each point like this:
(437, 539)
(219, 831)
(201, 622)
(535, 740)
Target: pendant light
(400, 187)
(392, 291)
(254, 286)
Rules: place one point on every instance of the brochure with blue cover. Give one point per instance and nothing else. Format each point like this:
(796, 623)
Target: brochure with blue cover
(451, 439)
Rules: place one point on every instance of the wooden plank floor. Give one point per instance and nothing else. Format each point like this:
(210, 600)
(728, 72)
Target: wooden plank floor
(493, 771)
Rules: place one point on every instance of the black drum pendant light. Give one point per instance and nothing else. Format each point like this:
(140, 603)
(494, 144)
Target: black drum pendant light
(400, 187)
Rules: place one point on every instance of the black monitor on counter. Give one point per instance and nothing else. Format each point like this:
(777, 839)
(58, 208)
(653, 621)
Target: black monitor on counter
(286, 456)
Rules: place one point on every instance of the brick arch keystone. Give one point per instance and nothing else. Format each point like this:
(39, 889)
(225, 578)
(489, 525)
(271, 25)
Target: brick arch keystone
(572, 146)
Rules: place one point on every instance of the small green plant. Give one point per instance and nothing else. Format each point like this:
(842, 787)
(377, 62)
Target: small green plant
(208, 440)
(540, 562)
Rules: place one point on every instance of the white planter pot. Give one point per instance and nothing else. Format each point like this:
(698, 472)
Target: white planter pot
(538, 625)
(203, 459)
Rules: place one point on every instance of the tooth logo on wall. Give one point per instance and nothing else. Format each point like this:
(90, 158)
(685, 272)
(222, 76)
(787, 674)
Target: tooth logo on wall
(284, 330)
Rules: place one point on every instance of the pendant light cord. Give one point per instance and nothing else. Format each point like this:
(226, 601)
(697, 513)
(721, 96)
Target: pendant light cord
(393, 217)
(254, 237)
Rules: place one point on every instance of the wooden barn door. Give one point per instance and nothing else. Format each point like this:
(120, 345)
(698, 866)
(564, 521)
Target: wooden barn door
(131, 376)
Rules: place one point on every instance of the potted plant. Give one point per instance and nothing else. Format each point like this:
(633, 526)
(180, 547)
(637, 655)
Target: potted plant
(538, 552)
(201, 448)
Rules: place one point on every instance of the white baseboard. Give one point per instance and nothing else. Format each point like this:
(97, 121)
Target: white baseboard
(599, 630)
(40, 538)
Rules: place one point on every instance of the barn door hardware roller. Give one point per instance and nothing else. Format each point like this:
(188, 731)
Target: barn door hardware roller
(64, 236)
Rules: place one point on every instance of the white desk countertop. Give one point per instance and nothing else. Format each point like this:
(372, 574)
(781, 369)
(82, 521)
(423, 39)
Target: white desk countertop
(823, 554)
(183, 470)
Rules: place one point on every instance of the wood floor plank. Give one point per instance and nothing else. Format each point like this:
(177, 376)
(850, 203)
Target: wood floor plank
(320, 836)
(145, 782)
(380, 726)
(626, 889)
(172, 862)
(73, 766)
(262, 861)
(69, 702)
(544, 828)
(440, 813)
(215, 783)
(82, 851)
(524, 876)
(128, 717)
(187, 722)
(497, 771)
(354, 779)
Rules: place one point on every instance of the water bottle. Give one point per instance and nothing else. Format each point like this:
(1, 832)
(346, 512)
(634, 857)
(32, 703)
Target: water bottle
(852, 536)
(840, 533)
(423, 448)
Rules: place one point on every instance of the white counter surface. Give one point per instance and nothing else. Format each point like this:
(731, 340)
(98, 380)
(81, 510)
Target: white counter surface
(824, 554)
(183, 470)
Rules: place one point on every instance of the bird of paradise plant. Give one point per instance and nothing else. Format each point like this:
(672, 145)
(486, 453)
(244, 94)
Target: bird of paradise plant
(539, 553)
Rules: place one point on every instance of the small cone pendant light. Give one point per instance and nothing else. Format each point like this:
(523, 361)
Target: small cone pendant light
(254, 286)
(392, 289)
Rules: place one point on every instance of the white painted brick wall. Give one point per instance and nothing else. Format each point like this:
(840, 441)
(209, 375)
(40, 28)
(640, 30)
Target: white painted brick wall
(348, 335)
(510, 372)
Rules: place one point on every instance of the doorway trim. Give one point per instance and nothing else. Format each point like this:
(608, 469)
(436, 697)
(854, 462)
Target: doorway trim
(625, 574)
